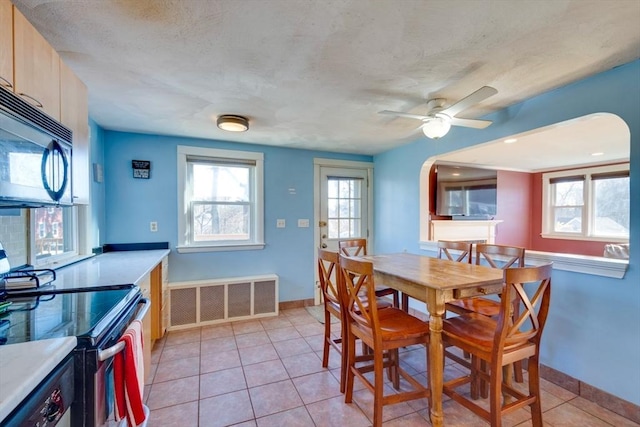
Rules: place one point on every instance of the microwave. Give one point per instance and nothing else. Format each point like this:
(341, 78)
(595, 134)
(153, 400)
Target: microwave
(35, 156)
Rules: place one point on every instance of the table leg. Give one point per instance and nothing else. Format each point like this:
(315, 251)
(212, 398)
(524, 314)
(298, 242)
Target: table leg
(435, 306)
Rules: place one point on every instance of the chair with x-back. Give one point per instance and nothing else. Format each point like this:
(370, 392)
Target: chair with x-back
(502, 340)
(358, 247)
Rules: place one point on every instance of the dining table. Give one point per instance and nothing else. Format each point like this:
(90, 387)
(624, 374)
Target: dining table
(435, 282)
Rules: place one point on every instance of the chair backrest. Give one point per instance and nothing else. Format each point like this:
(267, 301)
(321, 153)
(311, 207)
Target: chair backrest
(500, 256)
(527, 325)
(353, 247)
(455, 250)
(329, 276)
(360, 294)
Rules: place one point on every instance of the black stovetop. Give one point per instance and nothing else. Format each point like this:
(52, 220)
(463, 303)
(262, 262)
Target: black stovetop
(84, 314)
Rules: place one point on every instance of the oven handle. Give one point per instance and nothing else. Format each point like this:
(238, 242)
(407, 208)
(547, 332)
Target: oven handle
(118, 347)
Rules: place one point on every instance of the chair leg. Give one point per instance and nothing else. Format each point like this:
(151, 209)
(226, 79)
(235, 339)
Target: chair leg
(517, 372)
(405, 302)
(396, 302)
(534, 390)
(476, 366)
(495, 395)
(378, 368)
(351, 349)
(344, 365)
(327, 337)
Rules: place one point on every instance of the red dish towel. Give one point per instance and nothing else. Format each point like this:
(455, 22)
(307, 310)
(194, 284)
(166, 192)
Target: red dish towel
(128, 377)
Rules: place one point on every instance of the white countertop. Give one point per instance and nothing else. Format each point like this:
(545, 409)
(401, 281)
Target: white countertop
(24, 366)
(110, 268)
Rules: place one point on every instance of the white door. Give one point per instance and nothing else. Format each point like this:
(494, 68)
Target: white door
(343, 206)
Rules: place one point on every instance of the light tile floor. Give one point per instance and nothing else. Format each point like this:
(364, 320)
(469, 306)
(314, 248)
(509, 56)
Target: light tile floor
(268, 373)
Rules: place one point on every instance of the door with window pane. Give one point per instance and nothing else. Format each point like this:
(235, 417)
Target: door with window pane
(343, 205)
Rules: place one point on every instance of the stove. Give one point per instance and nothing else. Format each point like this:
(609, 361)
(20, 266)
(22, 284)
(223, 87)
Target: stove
(84, 314)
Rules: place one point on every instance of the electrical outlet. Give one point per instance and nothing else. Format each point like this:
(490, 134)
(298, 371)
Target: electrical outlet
(303, 223)
(153, 226)
(280, 223)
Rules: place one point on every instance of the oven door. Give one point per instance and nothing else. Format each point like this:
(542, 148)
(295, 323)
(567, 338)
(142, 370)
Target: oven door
(103, 380)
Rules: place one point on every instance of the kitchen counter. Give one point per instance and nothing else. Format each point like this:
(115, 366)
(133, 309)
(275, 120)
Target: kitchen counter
(109, 269)
(24, 366)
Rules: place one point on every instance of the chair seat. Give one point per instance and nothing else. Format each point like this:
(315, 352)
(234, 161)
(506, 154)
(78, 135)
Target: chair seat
(396, 324)
(484, 306)
(474, 329)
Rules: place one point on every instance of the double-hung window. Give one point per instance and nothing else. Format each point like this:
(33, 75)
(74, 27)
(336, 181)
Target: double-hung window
(587, 204)
(220, 195)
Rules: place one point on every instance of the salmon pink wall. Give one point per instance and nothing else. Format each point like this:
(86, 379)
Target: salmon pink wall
(514, 199)
(537, 243)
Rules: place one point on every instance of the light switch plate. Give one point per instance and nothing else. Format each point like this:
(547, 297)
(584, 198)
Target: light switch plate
(303, 223)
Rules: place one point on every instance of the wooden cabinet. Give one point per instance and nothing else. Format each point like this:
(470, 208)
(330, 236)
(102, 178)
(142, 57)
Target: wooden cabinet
(145, 288)
(36, 67)
(6, 44)
(74, 113)
(159, 299)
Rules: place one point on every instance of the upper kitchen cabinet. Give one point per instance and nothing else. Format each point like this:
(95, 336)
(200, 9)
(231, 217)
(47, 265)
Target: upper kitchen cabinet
(6, 44)
(36, 67)
(74, 113)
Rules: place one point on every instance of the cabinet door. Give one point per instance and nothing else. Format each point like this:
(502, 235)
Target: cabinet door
(6, 44)
(145, 288)
(74, 113)
(36, 67)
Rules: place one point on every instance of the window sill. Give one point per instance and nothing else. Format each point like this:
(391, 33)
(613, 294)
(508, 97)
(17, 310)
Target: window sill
(585, 238)
(596, 266)
(63, 262)
(220, 248)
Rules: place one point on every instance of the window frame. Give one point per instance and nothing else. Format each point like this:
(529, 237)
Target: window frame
(588, 207)
(256, 240)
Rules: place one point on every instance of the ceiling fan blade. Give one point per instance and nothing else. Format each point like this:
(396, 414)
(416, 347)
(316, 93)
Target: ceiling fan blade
(470, 123)
(407, 115)
(476, 97)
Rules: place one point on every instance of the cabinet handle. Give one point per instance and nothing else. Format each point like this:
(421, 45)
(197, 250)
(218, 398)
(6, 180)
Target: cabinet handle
(36, 102)
(4, 82)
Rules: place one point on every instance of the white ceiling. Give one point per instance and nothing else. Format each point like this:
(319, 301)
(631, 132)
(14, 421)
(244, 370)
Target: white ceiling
(315, 74)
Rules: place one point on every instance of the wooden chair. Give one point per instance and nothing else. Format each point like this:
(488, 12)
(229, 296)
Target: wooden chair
(332, 300)
(358, 247)
(333, 294)
(384, 331)
(502, 341)
(496, 256)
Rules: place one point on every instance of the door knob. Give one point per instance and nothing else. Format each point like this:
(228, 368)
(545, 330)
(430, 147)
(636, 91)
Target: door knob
(324, 246)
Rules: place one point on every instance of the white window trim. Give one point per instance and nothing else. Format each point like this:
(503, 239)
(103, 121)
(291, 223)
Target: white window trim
(258, 220)
(547, 216)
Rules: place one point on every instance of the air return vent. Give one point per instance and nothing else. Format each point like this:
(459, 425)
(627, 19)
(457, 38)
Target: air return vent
(205, 302)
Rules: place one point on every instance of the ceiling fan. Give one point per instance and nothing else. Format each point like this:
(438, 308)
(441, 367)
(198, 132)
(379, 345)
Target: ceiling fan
(439, 119)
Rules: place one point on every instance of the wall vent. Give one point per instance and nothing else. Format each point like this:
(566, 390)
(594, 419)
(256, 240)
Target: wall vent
(206, 302)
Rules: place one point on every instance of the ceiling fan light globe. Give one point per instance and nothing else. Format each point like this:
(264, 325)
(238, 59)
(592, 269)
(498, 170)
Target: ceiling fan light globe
(436, 128)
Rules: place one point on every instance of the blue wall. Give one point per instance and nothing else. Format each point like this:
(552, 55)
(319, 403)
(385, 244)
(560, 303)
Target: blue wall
(593, 330)
(131, 204)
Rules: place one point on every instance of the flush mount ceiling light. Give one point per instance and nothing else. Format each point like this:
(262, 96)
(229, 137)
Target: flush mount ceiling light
(232, 123)
(436, 127)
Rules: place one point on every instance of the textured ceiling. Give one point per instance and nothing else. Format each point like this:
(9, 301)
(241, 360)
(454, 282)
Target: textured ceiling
(314, 74)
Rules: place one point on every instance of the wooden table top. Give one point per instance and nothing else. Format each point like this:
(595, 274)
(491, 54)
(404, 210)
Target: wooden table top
(435, 273)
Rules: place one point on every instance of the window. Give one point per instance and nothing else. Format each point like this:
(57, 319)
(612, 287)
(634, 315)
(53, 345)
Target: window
(221, 198)
(55, 238)
(344, 202)
(587, 204)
